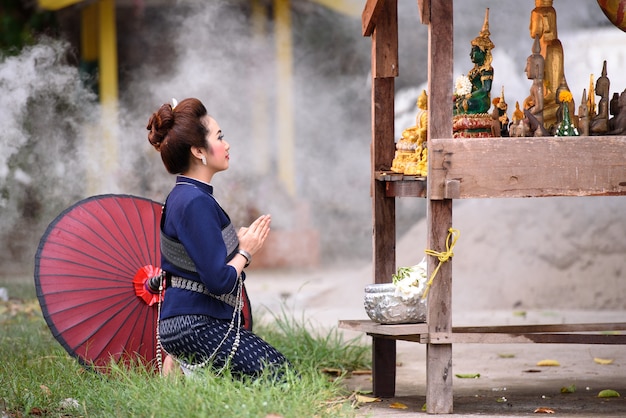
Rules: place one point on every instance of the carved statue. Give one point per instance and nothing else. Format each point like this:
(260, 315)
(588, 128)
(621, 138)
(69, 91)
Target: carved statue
(478, 100)
(619, 124)
(500, 118)
(614, 109)
(519, 126)
(418, 166)
(534, 71)
(583, 115)
(472, 95)
(566, 127)
(600, 122)
(410, 157)
(543, 25)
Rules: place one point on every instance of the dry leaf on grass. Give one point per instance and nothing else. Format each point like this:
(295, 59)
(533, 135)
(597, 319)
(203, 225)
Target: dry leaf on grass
(332, 371)
(548, 363)
(366, 399)
(608, 393)
(506, 355)
(544, 410)
(468, 375)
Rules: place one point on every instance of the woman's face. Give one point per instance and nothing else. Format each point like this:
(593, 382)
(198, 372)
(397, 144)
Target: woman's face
(217, 156)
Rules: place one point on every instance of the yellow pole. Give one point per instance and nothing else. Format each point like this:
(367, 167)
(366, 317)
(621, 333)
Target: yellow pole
(108, 89)
(352, 8)
(260, 106)
(89, 57)
(285, 122)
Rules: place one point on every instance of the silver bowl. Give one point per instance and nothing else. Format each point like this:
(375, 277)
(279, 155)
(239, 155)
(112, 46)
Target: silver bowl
(383, 306)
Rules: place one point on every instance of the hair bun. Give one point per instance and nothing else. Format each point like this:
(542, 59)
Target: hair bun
(159, 125)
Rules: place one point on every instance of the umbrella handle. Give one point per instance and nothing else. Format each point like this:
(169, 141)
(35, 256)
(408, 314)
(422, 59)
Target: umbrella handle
(154, 283)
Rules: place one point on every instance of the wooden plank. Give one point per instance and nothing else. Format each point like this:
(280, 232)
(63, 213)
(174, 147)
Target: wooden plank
(424, 8)
(529, 167)
(385, 42)
(384, 367)
(371, 327)
(383, 207)
(405, 189)
(370, 14)
(526, 329)
(542, 338)
(383, 220)
(439, 396)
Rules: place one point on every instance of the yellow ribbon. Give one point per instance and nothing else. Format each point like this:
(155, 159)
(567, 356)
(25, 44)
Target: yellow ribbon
(442, 256)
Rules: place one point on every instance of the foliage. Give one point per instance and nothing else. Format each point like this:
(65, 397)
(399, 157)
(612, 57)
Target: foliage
(38, 377)
(21, 23)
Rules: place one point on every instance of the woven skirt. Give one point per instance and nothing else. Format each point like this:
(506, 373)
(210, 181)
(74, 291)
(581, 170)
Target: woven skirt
(195, 338)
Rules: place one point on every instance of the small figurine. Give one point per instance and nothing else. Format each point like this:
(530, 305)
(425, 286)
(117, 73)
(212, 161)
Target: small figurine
(619, 124)
(500, 118)
(534, 102)
(543, 25)
(583, 115)
(566, 127)
(600, 122)
(614, 109)
(518, 127)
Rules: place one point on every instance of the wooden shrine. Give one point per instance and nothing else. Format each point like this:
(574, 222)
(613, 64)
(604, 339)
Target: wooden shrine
(460, 169)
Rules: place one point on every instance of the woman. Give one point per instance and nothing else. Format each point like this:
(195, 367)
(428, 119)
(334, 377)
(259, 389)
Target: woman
(202, 254)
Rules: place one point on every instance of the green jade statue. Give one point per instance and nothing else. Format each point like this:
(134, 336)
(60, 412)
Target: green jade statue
(480, 76)
(472, 95)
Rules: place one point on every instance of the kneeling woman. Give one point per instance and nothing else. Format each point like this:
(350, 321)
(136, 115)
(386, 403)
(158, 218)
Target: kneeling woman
(203, 256)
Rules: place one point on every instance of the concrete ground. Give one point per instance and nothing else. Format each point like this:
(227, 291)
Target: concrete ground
(510, 383)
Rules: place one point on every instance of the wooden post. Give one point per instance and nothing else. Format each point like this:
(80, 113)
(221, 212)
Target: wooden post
(439, 396)
(384, 69)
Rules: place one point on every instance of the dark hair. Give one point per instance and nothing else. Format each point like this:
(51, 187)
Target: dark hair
(173, 131)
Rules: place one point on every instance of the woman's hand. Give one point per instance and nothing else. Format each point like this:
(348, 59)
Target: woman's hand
(251, 239)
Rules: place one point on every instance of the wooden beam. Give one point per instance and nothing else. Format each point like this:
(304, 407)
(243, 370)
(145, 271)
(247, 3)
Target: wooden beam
(424, 9)
(528, 167)
(385, 41)
(371, 327)
(543, 338)
(384, 221)
(439, 396)
(370, 14)
(383, 207)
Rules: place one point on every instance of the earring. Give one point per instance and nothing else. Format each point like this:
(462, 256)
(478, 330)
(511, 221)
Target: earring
(203, 160)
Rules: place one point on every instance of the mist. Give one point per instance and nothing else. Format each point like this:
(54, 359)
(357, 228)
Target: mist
(51, 155)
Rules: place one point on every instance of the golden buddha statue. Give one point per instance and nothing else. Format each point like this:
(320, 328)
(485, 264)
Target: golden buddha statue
(543, 25)
(410, 155)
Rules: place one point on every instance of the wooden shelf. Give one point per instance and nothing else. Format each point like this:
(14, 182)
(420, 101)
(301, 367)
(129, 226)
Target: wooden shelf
(401, 185)
(463, 168)
(591, 333)
(527, 167)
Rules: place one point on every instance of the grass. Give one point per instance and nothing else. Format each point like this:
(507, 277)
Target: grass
(37, 376)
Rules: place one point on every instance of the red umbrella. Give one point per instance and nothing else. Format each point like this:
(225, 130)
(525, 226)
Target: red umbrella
(92, 275)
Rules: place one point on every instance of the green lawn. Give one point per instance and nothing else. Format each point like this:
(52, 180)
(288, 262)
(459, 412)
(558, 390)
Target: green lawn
(38, 378)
